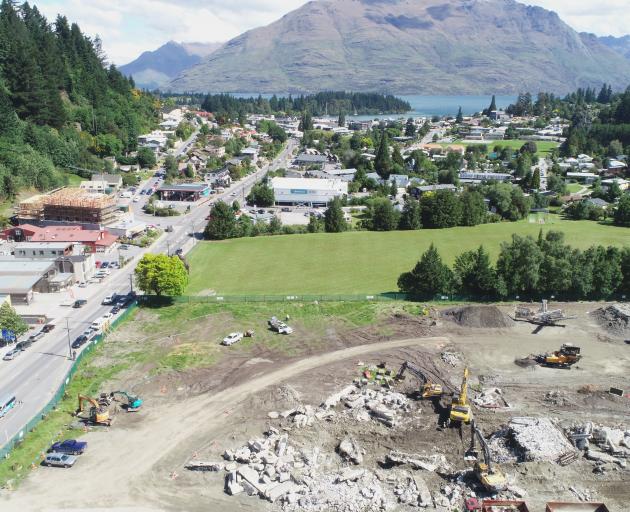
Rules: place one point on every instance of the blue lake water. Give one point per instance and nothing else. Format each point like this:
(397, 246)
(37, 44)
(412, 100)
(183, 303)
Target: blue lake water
(422, 106)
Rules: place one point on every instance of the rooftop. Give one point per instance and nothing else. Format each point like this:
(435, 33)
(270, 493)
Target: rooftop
(42, 245)
(18, 284)
(315, 159)
(307, 183)
(184, 187)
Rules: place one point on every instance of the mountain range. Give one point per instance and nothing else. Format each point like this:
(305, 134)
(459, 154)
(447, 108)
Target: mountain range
(406, 47)
(155, 69)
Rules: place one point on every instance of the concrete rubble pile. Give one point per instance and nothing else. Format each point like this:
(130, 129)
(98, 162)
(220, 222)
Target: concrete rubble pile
(413, 491)
(450, 497)
(363, 404)
(601, 445)
(451, 358)
(531, 439)
(491, 398)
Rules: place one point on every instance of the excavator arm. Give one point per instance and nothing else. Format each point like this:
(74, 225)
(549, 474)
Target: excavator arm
(91, 401)
(490, 476)
(429, 389)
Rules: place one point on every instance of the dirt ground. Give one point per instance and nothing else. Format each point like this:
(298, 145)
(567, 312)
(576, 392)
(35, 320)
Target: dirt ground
(138, 464)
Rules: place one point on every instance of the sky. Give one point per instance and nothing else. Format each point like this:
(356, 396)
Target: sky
(129, 27)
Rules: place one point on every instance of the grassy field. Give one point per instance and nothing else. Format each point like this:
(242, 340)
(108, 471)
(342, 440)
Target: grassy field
(359, 262)
(574, 188)
(544, 147)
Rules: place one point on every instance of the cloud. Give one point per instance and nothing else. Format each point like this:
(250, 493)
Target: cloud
(129, 27)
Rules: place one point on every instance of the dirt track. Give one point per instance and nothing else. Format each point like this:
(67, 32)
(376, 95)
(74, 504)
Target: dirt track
(121, 470)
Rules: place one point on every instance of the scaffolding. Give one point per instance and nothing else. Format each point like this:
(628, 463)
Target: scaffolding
(76, 205)
(31, 209)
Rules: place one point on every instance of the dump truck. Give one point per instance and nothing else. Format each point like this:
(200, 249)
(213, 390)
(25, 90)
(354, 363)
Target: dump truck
(566, 357)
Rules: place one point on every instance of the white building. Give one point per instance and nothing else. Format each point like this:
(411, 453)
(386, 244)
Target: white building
(307, 191)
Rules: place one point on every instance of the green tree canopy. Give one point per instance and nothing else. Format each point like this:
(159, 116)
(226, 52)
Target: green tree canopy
(222, 222)
(411, 215)
(383, 160)
(159, 274)
(430, 277)
(474, 275)
(334, 219)
(261, 195)
(519, 265)
(622, 212)
(11, 321)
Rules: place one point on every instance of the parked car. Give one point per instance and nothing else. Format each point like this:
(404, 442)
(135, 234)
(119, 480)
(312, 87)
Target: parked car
(124, 247)
(105, 264)
(69, 446)
(109, 299)
(23, 345)
(279, 326)
(115, 310)
(79, 303)
(48, 327)
(61, 460)
(232, 338)
(83, 284)
(34, 337)
(11, 354)
(80, 341)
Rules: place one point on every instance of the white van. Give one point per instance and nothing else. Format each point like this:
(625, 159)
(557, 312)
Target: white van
(110, 299)
(97, 324)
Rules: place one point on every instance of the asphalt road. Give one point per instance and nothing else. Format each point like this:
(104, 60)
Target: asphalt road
(35, 375)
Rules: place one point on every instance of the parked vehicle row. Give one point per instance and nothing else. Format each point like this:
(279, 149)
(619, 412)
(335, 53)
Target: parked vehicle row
(64, 454)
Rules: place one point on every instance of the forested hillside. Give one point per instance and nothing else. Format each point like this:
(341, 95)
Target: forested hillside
(60, 104)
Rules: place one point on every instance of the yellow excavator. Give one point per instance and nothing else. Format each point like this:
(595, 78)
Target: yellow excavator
(99, 413)
(566, 357)
(428, 389)
(488, 474)
(460, 408)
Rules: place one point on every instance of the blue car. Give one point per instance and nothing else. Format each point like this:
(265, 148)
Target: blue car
(69, 446)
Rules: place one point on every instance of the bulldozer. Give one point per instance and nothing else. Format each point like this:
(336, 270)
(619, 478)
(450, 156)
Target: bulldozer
(133, 402)
(428, 388)
(488, 474)
(460, 408)
(566, 357)
(98, 414)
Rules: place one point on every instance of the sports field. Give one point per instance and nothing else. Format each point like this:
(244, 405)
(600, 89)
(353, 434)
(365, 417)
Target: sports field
(358, 262)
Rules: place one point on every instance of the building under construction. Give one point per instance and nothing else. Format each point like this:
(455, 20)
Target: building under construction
(69, 205)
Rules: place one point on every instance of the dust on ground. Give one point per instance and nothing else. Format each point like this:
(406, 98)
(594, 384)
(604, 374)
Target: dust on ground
(197, 414)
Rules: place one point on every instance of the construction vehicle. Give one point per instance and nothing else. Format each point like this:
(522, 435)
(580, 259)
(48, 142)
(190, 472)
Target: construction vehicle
(428, 388)
(99, 413)
(460, 408)
(488, 474)
(566, 357)
(543, 317)
(133, 402)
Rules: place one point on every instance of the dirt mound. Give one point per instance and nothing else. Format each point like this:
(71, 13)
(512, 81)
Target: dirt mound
(615, 319)
(478, 316)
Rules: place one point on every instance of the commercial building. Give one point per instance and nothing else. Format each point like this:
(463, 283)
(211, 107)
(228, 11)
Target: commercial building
(306, 159)
(94, 240)
(307, 191)
(20, 278)
(43, 250)
(185, 192)
(478, 177)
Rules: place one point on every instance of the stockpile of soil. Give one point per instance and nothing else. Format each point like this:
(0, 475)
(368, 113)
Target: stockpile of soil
(615, 319)
(478, 316)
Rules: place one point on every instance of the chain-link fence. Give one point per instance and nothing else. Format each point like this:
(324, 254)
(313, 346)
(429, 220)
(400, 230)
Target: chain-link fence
(58, 396)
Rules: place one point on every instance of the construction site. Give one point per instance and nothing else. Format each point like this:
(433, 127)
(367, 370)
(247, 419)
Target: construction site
(469, 408)
(69, 205)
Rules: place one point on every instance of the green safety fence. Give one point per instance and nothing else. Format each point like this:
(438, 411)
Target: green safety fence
(59, 395)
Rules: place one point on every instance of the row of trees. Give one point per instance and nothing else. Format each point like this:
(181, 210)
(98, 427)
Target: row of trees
(331, 102)
(526, 268)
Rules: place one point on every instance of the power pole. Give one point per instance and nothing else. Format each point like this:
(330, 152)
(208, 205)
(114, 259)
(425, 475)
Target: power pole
(131, 282)
(69, 342)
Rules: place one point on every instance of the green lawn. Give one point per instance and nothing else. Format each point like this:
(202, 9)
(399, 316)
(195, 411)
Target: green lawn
(544, 147)
(358, 262)
(74, 180)
(574, 188)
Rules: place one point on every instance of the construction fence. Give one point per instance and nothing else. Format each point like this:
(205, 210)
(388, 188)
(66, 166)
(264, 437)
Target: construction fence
(59, 395)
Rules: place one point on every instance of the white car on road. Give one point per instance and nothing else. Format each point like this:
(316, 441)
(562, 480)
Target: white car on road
(232, 338)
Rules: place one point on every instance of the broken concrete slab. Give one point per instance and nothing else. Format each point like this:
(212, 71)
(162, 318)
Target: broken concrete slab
(350, 450)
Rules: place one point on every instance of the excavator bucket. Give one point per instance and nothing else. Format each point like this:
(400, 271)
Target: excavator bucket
(472, 455)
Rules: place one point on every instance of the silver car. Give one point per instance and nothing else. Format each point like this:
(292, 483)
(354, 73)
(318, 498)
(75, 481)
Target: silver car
(61, 460)
(12, 354)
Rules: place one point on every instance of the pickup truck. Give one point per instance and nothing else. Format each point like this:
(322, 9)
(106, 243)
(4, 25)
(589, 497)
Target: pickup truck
(278, 326)
(69, 446)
